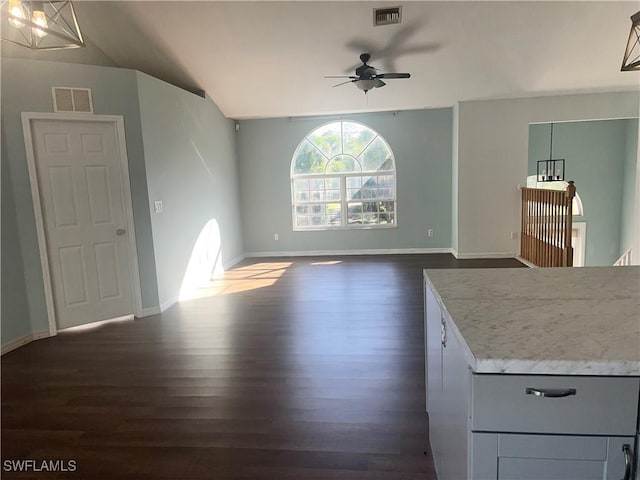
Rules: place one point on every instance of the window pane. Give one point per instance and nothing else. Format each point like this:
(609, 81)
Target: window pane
(385, 180)
(354, 182)
(343, 164)
(333, 183)
(302, 210)
(301, 189)
(334, 215)
(308, 160)
(386, 214)
(317, 195)
(327, 139)
(355, 138)
(354, 214)
(368, 193)
(369, 218)
(376, 157)
(332, 195)
(387, 218)
(302, 220)
(354, 193)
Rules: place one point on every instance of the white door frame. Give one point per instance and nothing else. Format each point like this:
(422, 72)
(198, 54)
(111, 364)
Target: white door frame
(118, 122)
(582, 236)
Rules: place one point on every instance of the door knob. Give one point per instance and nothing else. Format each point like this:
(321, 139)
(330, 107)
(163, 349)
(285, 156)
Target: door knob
(120, 231)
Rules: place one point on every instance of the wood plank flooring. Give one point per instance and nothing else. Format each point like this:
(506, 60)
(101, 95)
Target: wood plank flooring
(295, 368)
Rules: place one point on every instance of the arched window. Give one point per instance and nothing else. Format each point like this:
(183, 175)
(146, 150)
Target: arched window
(343, 176)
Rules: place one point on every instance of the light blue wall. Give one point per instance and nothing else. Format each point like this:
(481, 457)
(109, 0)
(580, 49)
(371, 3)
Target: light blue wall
(191, 167)
(594, 153)
(26, 87)
(629, 214)
(15, 303)
(421, 141)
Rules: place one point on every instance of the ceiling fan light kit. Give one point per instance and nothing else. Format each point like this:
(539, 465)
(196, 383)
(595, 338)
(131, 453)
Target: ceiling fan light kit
(367, 77)
(631, 60)
(46, 25)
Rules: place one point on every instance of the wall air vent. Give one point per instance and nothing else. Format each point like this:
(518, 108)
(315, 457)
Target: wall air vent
(387, 16)
(67, 99)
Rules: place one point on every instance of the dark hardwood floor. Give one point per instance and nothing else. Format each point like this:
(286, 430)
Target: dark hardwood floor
(297, 368)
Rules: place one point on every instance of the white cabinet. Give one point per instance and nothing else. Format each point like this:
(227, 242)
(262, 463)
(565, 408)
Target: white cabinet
(522, 427)
(547, 457)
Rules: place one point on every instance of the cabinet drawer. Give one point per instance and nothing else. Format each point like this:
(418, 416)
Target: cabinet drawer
(591, 405)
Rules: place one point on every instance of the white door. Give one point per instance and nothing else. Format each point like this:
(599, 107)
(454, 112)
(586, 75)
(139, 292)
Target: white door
(81, 192)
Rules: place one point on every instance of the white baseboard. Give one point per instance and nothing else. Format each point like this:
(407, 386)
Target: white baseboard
(232, 262)
(466, 256)
(168, 304)
(147, 312)
(19, 342)
(372, 251)
(526, 262)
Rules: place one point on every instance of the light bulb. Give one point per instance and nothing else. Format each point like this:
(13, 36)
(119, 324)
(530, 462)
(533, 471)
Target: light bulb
(16, 10)
(39, 18)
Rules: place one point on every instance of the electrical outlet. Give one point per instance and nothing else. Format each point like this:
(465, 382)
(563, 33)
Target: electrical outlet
(514, 235)
(157, 205)
(430, 232)
(276, 236)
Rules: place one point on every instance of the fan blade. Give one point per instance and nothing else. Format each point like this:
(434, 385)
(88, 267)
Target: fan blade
(394, 75)
(379, 83)
(341, 76)
(344, 83)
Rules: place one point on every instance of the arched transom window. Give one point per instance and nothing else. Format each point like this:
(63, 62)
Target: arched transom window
(343, 176)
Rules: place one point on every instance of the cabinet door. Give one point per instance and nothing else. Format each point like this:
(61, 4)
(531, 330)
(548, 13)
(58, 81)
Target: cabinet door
(553, 457)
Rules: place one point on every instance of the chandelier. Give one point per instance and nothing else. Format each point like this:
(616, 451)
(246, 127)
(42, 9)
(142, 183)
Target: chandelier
(631, 59)
(50, 25)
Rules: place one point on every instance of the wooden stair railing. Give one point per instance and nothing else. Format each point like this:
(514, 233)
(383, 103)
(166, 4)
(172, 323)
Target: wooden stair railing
(545, 236)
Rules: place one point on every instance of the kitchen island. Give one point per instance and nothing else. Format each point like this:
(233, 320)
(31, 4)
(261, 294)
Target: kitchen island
(533, 373)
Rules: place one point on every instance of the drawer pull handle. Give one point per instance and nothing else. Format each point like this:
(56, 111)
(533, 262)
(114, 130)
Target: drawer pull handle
(626, 449)
(550, 392)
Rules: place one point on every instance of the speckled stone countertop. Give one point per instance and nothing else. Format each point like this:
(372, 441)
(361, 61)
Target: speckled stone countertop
(554, 321)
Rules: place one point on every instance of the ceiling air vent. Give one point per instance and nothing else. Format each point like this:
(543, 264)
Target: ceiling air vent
(387, 16)
(72, 100)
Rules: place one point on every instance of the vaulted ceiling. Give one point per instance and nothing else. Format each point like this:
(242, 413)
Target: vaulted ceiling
(269, 59)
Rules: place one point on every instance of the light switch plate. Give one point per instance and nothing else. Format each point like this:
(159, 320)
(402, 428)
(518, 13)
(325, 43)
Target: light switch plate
(157, 205)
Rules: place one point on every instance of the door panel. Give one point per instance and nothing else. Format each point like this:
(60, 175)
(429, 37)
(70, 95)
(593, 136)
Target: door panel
(73, 275)
(98, 191)
(81, 190)
(549, 469)
(62, 194)
(107, 268)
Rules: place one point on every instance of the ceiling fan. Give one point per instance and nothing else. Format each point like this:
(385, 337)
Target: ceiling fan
(367, 77)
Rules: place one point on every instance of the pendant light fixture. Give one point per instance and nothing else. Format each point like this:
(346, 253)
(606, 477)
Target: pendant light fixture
(551, 170)
(50, 25)
(631, 60)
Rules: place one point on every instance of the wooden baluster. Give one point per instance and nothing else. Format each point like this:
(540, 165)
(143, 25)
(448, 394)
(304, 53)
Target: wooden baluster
(570, 192)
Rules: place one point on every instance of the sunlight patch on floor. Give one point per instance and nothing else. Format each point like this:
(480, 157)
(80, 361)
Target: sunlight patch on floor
(242, 279)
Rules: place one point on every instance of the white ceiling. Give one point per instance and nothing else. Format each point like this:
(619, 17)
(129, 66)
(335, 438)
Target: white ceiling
(268, 59)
